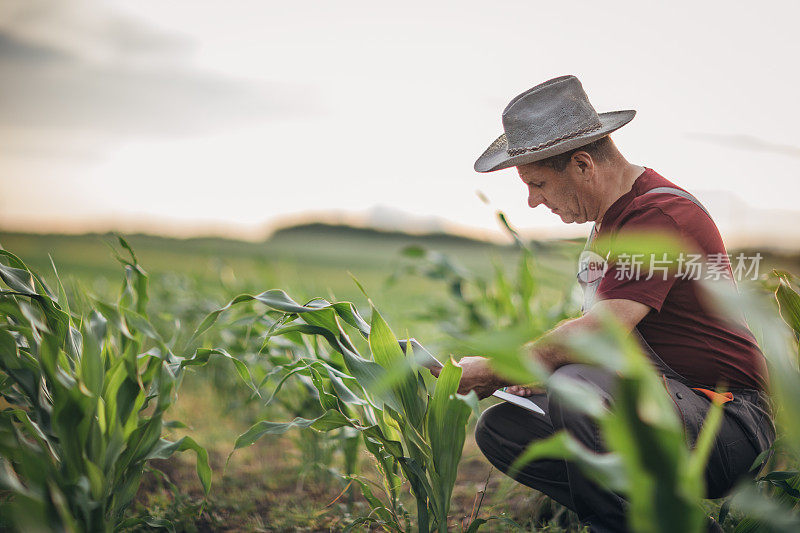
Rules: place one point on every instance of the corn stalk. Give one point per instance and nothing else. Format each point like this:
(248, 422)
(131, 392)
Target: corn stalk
(413, 434)
(84, 402)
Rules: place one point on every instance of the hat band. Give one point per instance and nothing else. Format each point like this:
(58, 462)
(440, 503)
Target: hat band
(547, 144)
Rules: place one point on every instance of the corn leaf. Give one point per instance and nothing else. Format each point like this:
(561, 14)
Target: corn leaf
(329, 420)
(387, 353)
(446, 429)
(164, 450)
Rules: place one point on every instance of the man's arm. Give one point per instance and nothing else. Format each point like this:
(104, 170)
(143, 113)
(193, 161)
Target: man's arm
(550, 348)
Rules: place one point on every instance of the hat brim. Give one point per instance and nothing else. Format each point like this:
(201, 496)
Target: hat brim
(496, 156)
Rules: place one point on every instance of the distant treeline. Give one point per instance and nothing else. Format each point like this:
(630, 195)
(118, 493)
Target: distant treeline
(774, 258)
(353, 231)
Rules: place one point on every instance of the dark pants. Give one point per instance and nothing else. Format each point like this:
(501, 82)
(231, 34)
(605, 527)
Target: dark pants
(504, 431)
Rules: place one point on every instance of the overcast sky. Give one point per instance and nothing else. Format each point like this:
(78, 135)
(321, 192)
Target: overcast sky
(192, 117)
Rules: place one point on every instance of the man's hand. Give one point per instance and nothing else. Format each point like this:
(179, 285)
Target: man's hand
(525, 390)
(549, 350)
(475, 375)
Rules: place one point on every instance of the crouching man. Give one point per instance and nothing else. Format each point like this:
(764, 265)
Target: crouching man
(561, 149)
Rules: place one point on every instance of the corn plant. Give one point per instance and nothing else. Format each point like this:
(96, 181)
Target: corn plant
(243, 333)
(772, 503)
(85, 399)
(412, 433)
(500, 301)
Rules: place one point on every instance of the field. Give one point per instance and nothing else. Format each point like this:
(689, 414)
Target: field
(262, 487)
(294, 481)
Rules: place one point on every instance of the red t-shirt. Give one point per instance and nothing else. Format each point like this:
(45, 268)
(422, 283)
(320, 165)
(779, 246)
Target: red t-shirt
(702, 345)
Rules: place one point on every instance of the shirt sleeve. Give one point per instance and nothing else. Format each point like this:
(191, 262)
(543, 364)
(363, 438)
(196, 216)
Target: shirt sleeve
(638, 268)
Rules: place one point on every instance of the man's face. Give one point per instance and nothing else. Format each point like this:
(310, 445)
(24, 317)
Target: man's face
(567, 194)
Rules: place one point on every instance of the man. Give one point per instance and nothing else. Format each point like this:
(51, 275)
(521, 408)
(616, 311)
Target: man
(562, 152)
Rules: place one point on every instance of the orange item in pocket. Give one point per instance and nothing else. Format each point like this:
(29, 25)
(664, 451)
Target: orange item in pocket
(716, 397)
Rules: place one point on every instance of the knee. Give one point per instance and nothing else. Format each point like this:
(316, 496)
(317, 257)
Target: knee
(504, 430)
(488, 430)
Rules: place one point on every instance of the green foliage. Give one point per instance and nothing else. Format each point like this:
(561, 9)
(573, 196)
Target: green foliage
(85, 400)
(773, 504)
(412, 433)
(649, 462)
(534, 298)
(86, 387)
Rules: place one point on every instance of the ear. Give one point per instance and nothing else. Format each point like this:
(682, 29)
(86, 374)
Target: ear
(584, 164)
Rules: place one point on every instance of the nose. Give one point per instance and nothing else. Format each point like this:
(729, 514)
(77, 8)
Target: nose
(534, 198)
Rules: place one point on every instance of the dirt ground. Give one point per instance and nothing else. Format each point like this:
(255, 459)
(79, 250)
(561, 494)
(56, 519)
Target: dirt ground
(266, 488)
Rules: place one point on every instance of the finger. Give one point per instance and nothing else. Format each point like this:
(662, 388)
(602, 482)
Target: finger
(521, 390)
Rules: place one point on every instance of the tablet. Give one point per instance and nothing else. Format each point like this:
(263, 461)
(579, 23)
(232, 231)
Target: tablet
(424, 358)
